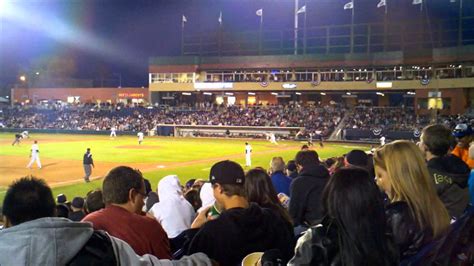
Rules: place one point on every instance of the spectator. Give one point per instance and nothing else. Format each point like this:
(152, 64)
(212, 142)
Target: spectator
(77, 206)
(291, 169)
(306, 189)
(260, 191)
(94, 201)
(471, 176)
(62, 210)
(464, 135)
(38, 238)
(242, 227)
(123, 191)
(415, 215)
(448, 172)
(280, 181)
(173, 211)
(357, 158)
(350, 195)
(192, 196)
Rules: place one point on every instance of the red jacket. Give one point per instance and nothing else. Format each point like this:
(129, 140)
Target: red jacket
(144, 234)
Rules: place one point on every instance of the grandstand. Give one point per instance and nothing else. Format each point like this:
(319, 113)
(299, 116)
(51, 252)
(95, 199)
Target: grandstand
(265, 141)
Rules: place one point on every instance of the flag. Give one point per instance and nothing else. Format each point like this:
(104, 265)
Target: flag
(349, 5)
(301, 10)
(382, 3)
(184, 19)
(259, 12)
(417, 2)
(220, 18)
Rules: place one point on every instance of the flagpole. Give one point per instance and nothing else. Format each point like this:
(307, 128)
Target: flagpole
(352, 27)
(182, 35)
(385, 26)
(304, 25)
(460, 24)
(296, 27)
(261, 33)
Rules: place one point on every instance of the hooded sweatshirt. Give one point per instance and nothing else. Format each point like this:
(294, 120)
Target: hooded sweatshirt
(173, 211)
(55, 241)
(450, 175)
(306, 206)
(240, 231)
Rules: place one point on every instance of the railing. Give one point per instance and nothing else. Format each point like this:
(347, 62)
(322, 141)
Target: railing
(367, 38)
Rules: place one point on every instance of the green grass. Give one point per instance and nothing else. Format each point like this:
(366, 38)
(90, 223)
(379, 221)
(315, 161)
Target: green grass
(159, 150)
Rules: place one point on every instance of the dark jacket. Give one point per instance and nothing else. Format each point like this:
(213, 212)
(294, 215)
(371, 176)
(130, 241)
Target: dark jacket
(87, 159)
(305, 192)
(450, 175)
(404, 230)
(281, 182)
(240, 231)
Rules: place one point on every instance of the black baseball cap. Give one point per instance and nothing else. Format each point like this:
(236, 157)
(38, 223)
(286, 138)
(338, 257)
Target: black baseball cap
(227, 172)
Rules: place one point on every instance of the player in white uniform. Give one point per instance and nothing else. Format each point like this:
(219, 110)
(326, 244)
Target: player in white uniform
(273, 138)
(382, 141)
(140, 137)
(113, 132)
(34, 155)
(25, 134)
(248, 154)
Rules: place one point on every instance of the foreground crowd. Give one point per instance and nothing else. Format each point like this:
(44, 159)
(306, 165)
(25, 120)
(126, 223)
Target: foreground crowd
(417, 211)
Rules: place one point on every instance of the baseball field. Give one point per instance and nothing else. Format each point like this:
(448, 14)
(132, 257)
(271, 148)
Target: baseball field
(156, 157)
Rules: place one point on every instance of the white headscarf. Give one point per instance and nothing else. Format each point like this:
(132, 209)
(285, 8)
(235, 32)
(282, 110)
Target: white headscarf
(207, 196)
(173, 211)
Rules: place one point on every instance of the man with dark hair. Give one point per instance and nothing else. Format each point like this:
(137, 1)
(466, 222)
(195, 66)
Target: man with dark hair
(123, 192)
(305, 190)
(242, 227)
(32, 236)
(93, 201)
(357, 158)
(450, 174)
(77, 212)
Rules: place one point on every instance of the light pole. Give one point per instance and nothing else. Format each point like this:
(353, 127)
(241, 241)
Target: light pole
(119, 75)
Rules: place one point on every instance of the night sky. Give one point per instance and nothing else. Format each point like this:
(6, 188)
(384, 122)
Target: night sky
(120, 35)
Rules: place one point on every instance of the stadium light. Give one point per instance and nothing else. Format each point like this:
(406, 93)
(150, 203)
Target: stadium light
(323, 93)
(251, 93)
(23, 78)
(274, 93)
(207, 93)
(298, 93)
(186, 93)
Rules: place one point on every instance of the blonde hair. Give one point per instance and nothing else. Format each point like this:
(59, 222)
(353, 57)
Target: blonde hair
(412, 183)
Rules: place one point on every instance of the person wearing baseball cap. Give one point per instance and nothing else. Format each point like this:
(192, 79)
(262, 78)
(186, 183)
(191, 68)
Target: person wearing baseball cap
(464, 136)
(242, 227)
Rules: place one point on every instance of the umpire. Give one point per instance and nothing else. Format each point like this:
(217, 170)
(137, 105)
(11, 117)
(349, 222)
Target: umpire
(88, 164)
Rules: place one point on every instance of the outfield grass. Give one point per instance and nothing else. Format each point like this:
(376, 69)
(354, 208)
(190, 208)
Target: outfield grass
(188, 158)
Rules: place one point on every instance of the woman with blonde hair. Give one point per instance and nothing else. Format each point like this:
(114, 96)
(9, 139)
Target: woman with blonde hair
(415, 215)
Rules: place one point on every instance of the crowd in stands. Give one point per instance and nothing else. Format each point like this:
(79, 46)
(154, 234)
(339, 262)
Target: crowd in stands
(143, 119)
(418, 210)
(390, 118)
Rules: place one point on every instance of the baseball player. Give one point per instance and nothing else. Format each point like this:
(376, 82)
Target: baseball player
(248, 154)
(382, 140)
(25, 134)
(34, 155)
(140, 137)
(88, 163)
(113, 132)
(17, 140)
(273, 138)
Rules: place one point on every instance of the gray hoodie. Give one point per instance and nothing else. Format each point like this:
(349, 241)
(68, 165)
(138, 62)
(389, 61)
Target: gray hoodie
(55, 241)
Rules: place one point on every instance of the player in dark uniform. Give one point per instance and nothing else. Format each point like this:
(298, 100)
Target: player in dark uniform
(17, 139)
